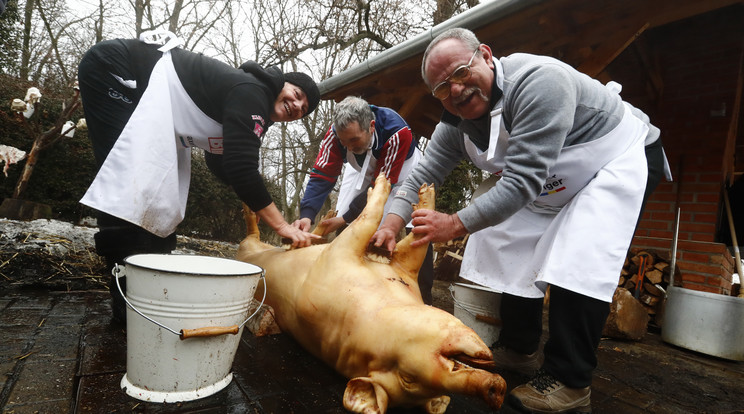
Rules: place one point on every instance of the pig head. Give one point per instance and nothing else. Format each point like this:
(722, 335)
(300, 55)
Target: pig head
(367, 320)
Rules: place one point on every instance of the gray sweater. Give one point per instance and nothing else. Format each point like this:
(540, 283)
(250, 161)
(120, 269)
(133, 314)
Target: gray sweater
(547, 105)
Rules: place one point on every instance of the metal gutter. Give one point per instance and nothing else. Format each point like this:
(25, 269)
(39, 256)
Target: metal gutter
(472, 19)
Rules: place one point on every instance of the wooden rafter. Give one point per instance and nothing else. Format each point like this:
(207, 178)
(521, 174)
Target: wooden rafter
(609, 49)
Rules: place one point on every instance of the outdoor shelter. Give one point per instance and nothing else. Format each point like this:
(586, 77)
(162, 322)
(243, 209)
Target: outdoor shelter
(680, 61)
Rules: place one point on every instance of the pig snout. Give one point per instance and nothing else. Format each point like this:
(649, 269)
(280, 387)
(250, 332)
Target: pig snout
(493, 391)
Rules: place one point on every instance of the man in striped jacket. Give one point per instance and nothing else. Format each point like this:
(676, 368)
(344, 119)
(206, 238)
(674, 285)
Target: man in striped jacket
(370, 140)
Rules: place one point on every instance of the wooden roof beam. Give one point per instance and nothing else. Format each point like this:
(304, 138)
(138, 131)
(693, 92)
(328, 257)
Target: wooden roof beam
(609, 49)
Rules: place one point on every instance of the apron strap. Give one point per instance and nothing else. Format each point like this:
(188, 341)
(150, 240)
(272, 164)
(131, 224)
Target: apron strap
(363, 174)
(166, 38)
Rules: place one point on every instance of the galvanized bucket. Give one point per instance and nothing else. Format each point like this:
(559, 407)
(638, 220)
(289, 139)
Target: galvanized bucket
(184, 320)
(478, 308)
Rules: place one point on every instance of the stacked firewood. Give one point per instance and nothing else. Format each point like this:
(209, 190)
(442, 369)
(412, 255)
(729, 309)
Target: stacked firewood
(645, 275)
(448, 258)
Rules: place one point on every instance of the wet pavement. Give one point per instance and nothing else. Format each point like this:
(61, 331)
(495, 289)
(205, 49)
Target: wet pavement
(59, 353)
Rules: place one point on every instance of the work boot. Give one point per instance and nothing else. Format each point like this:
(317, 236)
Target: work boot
(509, 360)
(545, 394)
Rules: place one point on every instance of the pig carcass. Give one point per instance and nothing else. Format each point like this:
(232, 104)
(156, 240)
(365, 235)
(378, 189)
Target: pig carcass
(366, 318)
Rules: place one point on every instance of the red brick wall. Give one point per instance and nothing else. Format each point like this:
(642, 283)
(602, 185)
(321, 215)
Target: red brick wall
(701, 265)
(698, 63)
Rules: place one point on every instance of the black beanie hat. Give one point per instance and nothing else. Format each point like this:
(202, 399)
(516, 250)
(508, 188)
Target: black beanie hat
(307, 84)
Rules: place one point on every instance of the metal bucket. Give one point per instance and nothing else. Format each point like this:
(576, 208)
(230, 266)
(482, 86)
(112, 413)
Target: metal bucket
(704, 322)
(185, 316)
(478, 308)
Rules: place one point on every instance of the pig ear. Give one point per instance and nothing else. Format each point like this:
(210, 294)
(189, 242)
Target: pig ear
(364, 395)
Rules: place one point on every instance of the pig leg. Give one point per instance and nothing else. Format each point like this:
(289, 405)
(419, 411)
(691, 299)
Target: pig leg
(410, 258)
(353, 241)
(252, 242)
(320, 228)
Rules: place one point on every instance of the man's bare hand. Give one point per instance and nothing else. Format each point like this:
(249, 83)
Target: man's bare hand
(299, 237)
(303, 224)
(385, 236)
(433, 226)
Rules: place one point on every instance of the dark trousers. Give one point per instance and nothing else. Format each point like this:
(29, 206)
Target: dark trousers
(426, 276)
(575, 321)
(116, 239)
(575, 325)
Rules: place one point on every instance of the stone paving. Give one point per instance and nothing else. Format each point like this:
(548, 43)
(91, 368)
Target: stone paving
(59, 353)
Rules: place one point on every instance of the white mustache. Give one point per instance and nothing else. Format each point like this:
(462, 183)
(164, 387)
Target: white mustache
(465, 95)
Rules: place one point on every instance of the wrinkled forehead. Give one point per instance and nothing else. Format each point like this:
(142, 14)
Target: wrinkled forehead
(445, 56)
(352, 129)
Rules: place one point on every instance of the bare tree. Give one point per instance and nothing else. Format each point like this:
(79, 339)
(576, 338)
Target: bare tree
(320, 37)
(323, 37)
(448, 8)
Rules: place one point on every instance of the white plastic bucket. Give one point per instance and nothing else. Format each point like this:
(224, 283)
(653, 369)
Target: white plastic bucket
(184, 320)
(478, 308)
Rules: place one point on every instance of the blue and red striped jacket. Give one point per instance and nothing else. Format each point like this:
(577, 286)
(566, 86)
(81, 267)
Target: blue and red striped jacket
(392, 144)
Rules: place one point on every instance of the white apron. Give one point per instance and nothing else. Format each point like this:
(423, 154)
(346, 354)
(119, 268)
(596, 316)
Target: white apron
(145, 178)
(353, 181)
(576, 233)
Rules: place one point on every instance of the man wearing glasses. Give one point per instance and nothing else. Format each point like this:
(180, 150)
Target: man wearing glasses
(575, 164)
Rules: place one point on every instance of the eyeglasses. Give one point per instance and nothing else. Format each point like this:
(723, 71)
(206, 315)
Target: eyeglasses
(459, 75)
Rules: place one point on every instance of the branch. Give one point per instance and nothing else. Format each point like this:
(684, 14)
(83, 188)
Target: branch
(53, 39)
(343, 44)
(55, 133)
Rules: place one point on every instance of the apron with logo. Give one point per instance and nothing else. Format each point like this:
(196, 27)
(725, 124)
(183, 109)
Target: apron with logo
(145, 178)
(357, 178)
(577, 232)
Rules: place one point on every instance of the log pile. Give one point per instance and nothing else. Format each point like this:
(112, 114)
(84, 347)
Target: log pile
(645, 275)
(448, 258)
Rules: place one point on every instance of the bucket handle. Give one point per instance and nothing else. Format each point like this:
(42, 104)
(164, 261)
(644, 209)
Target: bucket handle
(119, 271)
(483, 318)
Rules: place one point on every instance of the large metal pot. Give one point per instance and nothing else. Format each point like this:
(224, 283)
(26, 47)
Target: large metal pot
(705, 322)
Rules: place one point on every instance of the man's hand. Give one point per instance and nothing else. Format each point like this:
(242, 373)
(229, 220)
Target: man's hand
(273, 217)
(385, 236)
(299, 237)
(303, 224)
(436, 227)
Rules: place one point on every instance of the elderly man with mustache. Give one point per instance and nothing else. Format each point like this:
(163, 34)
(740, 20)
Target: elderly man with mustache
(575, 165)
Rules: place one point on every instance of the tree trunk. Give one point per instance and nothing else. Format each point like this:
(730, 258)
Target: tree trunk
(99, 23)
(28, 168)
(26, 49)
(173, 23)
(139, 11)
